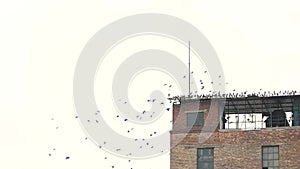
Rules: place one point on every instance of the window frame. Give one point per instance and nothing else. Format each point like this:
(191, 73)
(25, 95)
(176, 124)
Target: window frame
(207, 158)
(270, 154)
(198, 122)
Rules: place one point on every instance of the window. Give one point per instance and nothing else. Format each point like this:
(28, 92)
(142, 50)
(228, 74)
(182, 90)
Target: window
(270, 157)
(195, 119)
(205, 158)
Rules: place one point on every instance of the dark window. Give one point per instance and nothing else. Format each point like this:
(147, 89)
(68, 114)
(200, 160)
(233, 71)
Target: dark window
(270, 157)
(205, 158)
(277, 119)
(195, 119)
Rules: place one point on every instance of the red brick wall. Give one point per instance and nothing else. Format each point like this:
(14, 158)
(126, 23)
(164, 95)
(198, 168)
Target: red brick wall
(239, 149)
(209, 108)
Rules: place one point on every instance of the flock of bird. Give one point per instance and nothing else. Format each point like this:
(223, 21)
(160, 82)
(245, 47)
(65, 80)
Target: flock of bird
(146, 144)
(68, 157)
(171, 99)
(234, 94)
(218, 94)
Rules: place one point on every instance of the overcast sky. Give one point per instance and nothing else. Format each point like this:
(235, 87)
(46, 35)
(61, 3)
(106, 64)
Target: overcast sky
(257, 43)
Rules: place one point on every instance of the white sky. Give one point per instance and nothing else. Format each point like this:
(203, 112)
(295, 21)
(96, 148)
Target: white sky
(257, 43)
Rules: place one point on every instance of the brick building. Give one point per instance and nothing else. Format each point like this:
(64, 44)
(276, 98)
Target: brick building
(248, 132)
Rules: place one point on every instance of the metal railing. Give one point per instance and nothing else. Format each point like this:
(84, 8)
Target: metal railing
(252, 124)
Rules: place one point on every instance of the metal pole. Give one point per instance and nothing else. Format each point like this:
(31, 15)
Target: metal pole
(189, 68)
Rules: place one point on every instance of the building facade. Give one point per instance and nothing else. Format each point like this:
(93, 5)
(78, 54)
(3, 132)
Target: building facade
(236, 133)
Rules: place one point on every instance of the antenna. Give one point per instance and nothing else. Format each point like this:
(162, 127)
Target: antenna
(189, 68)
